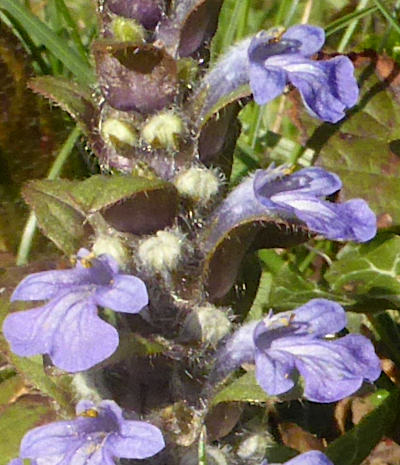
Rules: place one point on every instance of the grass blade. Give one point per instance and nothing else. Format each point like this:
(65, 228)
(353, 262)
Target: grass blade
(43, 34)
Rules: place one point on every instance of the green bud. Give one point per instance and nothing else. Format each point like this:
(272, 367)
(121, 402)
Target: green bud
(163, 131)
(127, 30)
(117, 132)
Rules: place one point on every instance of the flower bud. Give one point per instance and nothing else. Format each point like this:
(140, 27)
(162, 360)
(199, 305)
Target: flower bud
(162, 251)
(147, 12)
(117, 132)
(111, 245)
(163, 131)
(207, 324)
(253, 447)
(127, 30)
(197, 183)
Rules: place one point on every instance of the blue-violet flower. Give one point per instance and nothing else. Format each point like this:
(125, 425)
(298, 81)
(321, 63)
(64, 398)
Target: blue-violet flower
(97, 436)
(68, 328)
(269, 61)
(302, 194)
(296, 342)
(312, 457)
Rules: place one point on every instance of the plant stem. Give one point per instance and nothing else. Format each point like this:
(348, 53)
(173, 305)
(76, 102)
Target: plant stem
(30, 226)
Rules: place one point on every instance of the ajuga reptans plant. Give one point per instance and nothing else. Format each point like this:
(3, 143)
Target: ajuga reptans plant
(159, 238)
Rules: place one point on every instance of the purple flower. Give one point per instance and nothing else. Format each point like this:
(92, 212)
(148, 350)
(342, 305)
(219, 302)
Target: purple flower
(326, 87)
(68, 327)
(312, 457)
(302, 195)
(96, 437)
(268, 62)
(285, 345)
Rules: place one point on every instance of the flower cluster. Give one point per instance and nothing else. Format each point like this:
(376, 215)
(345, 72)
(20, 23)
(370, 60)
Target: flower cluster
(291, 343)
(271, 60)
(68, 327)
(96, 437)
(137, 78)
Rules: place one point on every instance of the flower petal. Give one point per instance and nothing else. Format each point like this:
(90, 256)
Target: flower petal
(82, 339)
(312, 457)
(265, 44)
(125, 294)
(30, 332)
(48, 284)
(327, 88)
(274, 370)
(330, 368)
(136, 440)
(53, 439)
(102, 456)
(312, 38)
(316, 318)
(362, 353)
(340, 74)
(239, 349)
(266, 82)
(271, 185)
(322, 317)
(352, 220)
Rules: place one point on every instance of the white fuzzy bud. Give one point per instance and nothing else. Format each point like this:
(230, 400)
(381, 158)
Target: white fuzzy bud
(162, 251)
(112, 246)
(115, 131)
(207, 324)
(90, 385)
(163, 131)
(198, 183)
(214, 455)
(253, 447)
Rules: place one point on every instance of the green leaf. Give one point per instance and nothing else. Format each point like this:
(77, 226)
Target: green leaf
(132, 204)
(10, 388)
(243, 389)
(99, 192)
(72, 98)
(61, 222)
(55, 387)
(44, 35)
(354, 446)
(228, 241)
(17, 419)
(289, 290)
(368, 271)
